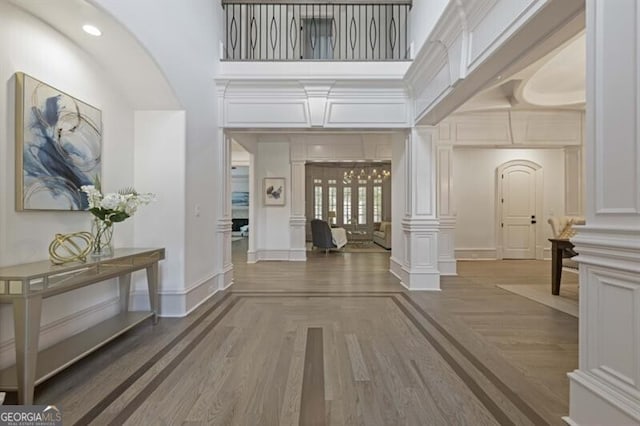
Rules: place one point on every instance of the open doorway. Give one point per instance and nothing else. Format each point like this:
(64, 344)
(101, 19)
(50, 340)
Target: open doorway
(240, 201)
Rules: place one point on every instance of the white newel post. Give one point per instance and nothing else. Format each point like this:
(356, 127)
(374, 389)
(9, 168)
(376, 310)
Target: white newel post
(420, 223)
(605, 389)
(446, 211)
(297, 220)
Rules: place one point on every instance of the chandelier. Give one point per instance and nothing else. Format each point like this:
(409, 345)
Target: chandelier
(367, 173)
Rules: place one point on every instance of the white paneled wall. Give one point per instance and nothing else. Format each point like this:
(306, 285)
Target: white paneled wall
(476, 200)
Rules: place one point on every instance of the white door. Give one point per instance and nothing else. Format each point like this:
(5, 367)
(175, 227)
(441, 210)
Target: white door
(518, 205)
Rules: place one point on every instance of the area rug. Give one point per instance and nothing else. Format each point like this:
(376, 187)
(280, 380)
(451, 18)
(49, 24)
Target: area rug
(358, 247)
(364, 247)
(566, 302)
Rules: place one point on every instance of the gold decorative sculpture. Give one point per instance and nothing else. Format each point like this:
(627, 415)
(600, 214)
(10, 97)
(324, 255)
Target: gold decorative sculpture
(75, 247)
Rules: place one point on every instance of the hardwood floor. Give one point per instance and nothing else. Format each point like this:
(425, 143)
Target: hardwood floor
(336, 341)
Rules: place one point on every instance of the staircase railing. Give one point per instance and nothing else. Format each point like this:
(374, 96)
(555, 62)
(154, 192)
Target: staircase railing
(327, 31)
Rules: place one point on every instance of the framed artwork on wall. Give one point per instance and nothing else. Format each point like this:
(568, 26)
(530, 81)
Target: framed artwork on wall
(58, 147)
(274, 191)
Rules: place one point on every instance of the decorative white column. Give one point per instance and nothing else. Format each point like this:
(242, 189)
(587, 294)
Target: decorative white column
(297, 220)
(573, 181)
(223, 203)
(224, 225)
(253, 206)
(446, 211)
(605, 389)
(420, 224)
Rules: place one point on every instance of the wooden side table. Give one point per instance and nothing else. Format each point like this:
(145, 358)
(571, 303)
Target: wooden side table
(558, 249)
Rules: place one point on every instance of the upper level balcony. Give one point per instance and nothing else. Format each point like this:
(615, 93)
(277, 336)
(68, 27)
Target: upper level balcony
(340, 30)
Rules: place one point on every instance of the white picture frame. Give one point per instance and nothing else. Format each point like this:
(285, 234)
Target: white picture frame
(274, 191)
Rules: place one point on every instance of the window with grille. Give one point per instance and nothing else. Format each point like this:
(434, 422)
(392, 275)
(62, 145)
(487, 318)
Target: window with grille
(362, 205)
(346, 204)
(317, 201)
(377, 203)
(332, 202)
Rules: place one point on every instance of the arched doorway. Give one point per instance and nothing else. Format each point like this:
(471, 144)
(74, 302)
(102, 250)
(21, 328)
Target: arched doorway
(518, 209)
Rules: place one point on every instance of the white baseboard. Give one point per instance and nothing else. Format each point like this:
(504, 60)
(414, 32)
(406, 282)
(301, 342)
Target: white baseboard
(448, 267)
(476, 254)
(298, 255)
(592, 401)
(395, 267)
(267, 255)
(414, 280)
(65, 327)
(180, 303)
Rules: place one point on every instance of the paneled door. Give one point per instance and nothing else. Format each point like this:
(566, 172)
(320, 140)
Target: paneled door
(518, 206)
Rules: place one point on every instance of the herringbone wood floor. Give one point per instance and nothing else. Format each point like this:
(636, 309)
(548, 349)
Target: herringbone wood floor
(336, 340)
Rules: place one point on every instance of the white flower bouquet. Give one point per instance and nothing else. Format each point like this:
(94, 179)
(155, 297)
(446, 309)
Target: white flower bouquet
(115, 206)
(108, 209)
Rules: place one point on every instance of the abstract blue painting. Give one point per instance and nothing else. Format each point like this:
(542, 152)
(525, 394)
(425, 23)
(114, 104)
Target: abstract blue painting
(58, 147)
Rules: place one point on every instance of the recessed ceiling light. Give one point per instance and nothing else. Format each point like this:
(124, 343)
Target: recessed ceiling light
(499, 77)
(93, 30)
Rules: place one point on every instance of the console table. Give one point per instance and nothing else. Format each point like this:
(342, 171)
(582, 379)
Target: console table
(24, 286)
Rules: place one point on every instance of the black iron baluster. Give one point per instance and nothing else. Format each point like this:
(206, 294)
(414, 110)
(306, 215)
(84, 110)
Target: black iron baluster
(392, 35)
(406, 24)
(334, 31)
(280, 32)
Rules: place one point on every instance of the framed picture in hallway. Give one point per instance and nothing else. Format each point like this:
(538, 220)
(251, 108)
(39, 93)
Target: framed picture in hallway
(273, 191)
(58, 147)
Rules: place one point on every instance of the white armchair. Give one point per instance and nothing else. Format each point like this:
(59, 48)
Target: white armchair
(559, 224)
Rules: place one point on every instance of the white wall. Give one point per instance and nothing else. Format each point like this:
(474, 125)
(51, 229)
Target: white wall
(160, 168)
(272, 229)
(474, 172)
(398, 202)
(25, 236)
(184, 41)
(422, 19)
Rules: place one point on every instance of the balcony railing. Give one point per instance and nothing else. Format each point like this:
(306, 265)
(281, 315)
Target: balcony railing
(328, 31)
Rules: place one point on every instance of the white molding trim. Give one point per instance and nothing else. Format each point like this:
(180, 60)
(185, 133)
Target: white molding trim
(284, 255)
(304, 104)
(396, 269)
(180, 303)
(448, 267)
(62, 328)
(298, 255)
(476, 253)
(600, 403)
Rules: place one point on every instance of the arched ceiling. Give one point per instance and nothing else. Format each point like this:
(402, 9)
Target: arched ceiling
(555, 81)
(126, 62)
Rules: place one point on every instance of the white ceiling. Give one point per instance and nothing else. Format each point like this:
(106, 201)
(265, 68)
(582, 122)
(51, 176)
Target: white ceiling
(555, 81)
(117, 51)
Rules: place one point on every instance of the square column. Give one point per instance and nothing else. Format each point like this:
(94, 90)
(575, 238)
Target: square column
(605, 389)
(419, 225)
(297, 220)
(446, 211)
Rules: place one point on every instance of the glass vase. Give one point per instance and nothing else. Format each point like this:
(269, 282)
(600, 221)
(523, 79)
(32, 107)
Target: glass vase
(102, 232)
